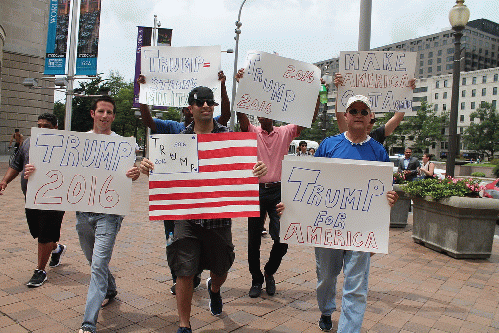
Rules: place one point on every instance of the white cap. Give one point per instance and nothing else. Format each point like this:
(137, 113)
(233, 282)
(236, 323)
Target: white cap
(358, 98)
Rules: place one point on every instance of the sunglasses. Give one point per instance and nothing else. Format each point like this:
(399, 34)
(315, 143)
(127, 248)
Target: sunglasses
(353, 112)
(373, 120)
(200, 102)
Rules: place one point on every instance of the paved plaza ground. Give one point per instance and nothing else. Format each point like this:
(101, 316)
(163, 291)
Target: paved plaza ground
(412, 289)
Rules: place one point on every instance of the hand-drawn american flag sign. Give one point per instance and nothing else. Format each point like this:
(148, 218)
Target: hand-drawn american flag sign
(222, 187)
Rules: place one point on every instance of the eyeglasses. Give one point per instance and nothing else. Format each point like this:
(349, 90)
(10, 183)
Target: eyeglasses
(373, 120)
(353, 112)
(200, 102)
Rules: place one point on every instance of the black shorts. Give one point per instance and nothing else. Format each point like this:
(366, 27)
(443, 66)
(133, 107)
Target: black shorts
(195, 248)
(45, 224)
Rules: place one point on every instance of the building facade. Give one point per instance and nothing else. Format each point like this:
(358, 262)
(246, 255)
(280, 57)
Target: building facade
(23, 34)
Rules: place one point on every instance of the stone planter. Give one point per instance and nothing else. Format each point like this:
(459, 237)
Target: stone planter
(460, 227)
(400, 211)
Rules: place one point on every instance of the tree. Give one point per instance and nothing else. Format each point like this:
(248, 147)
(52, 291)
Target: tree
(317, 131)
(60, 112)
(425, 128)
(483, 135)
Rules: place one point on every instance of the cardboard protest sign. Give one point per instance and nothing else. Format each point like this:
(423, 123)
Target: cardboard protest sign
(336, 203)
(80, 171)
(383, 77)
(203, 176)
(278, 88)
(172, 72)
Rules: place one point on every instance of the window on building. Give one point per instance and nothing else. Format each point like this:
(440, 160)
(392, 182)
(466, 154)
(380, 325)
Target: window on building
(461, 118)
(473, 93)
(439, 52)
(430, 61)
(430, 54)
(473, 81)
(446, 83)
(445, 95)
(463, 93)
(461, 130)
(435, 107)
(496, 77)
(444, 42)
(421, 56)
(484, 91)
(484, 79)
(472, 119)
(421, 63)
(429, 69)
(463, 81)
(494, 91)
(436, 95)
(463, 105)
(444, 107)
(439, 68)
(437, 84)
(450, 50)
(494, 103)
(472, 105)
(421, 71)
(435, 44)
(448, 66)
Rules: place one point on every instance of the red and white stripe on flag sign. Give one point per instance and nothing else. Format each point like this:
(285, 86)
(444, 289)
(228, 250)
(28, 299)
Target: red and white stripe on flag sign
(224, 187)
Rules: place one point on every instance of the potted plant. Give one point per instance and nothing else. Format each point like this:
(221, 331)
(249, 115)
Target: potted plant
(400, 211)
(450, 216)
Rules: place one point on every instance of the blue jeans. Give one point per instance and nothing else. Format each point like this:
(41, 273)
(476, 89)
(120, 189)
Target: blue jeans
(355, 266)
(97, 233)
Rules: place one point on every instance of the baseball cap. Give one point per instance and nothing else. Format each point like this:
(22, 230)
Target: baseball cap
(358, 98)
(202, 93)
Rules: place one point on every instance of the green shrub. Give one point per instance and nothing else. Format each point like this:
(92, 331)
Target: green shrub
(443, 188)
(496, 171)
(477, 174)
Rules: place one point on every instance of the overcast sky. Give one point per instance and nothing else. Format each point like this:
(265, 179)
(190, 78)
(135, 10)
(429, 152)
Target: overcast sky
(305, 30)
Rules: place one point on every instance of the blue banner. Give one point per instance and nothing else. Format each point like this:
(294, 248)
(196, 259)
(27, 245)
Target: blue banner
(88, 37)
(57, 37)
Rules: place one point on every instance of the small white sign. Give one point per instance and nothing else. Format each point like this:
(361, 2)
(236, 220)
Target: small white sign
(278, 88)
(336, 203)
(174, 153)
(172, 72)
(381, 76)
(80, 171)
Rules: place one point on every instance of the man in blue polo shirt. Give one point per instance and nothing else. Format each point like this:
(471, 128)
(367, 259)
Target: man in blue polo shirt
(357, 145)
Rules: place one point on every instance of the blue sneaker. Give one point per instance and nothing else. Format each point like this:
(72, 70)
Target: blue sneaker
(216, 304)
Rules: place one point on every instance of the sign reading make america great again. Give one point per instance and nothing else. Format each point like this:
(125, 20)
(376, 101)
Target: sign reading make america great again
(172, 72)
(336, 203)
(383, 77)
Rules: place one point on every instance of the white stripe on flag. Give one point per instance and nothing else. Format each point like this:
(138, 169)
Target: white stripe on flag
(208, 210)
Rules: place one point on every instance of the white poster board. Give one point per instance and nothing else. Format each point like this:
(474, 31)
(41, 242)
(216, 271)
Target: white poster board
(80, 171)
(336, 203)
(278, 88)
(382, 76)
(172, 72)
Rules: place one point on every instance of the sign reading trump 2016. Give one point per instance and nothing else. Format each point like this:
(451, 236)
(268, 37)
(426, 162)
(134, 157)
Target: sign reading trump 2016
(278, 88)
(80, 171)
(172, 72)
(383, 77)
(336, 203)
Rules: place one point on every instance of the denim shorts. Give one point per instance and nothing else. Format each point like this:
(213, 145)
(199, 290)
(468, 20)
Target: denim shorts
(195, 248)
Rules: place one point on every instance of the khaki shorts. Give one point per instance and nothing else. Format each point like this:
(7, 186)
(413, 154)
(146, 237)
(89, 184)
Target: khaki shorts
(195, 248)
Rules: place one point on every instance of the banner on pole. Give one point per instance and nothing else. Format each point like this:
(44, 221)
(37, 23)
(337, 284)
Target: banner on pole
(336, 203)
(203, 176)
(88, 37)
(172, 72)
(144, 36)
(381, 76)
(57, 37)
(80, 171)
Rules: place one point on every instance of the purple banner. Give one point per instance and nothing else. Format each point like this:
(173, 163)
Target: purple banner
(144, 37)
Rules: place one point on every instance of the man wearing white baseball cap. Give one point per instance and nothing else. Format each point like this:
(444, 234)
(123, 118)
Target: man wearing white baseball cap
(357, 145)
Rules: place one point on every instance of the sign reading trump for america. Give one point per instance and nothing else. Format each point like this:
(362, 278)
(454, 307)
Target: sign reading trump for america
(203, 176)
(336, 203)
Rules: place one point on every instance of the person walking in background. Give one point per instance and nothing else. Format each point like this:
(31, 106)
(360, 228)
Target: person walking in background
(17, 138)
(43, 224)
(408, 165)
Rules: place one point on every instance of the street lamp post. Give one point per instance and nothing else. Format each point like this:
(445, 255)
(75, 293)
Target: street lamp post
(458, 17)
(236, 53)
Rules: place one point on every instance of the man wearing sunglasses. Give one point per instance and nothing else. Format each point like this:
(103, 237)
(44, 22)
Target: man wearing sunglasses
(201, 243)
(160, 126)
(352, 144)
(380, 133)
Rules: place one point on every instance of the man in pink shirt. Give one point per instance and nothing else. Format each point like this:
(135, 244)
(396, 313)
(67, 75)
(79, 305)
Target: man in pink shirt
(272, 144)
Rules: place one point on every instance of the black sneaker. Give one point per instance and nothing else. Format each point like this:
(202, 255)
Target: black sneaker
(216, 304)
(38, 278)
(270, 285)
(197, 281)
(184, 330)
(172, 289)
(325, 323)
(55, 259)
(255, 290)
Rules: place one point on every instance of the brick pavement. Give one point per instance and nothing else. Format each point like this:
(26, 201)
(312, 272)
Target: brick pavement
(412, 289)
